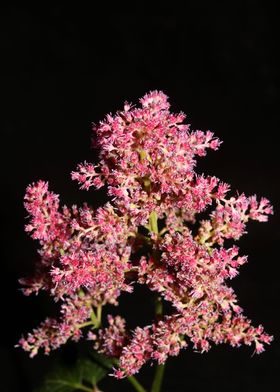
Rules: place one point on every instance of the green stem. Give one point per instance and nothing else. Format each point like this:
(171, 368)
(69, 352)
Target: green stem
(164, 230)
(93, 318)
(85, 324)
(158, 306)
(160, 368)
(153, 222)
(137, 386)
(153, 227)
(83, 388)
(99, 315)
(158, 378)
(142, 154)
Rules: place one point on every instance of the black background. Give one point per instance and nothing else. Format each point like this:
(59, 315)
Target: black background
(68, 65)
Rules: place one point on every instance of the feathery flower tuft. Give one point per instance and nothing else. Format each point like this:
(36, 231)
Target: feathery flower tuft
(89, 257)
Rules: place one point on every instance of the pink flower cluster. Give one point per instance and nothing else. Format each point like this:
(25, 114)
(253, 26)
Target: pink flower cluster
(88, 257)
(51, 333)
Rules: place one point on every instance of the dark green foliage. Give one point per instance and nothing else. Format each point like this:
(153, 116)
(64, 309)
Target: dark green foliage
(82, 376)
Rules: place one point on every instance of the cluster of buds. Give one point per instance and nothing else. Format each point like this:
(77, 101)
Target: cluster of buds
(144, 235)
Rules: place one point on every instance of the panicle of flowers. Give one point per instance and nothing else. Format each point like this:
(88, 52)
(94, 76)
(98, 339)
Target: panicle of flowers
(88, 257)
(230, 216)
(110, 340)
(52, 333)
(147, 160)
(136, 353)
(46, 223)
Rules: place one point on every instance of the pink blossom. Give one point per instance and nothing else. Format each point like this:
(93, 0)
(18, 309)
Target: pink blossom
(51, 333)
(136, 353)
(42, 206)
(89, 257)
(110, 340)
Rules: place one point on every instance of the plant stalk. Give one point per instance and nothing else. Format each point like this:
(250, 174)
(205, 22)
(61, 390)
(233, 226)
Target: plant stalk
(158, 378)
(156, 386)
(153, 222)
(137, 386)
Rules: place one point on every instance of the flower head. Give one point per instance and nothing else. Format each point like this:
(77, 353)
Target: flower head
(89, 257)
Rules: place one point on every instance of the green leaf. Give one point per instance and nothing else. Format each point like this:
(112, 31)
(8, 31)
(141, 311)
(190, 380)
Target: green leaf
(63, 379)
(83, 376)
(102, 360)
(91, 372)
